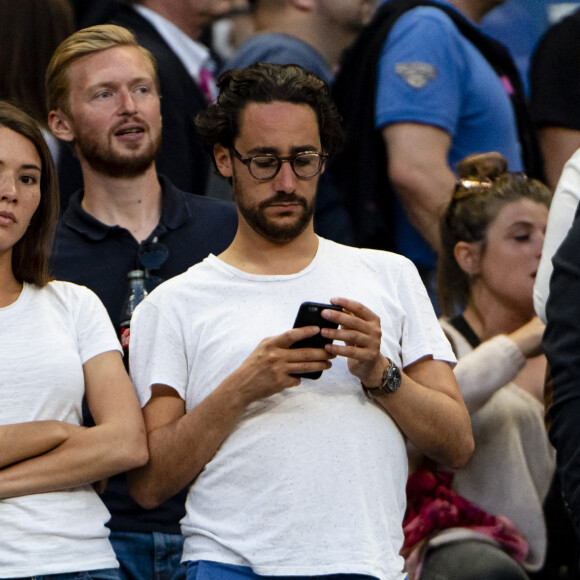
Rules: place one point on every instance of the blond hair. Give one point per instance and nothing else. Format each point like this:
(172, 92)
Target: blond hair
(84, 43)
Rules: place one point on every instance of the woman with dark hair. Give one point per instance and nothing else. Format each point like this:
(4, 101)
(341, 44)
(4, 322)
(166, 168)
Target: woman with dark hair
(57, 346)
(485, 521)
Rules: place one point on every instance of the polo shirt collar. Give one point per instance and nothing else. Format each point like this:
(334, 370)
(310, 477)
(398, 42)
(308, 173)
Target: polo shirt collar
(174, 213)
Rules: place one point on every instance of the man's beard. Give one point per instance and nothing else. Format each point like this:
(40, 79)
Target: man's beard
(107, 162)
(275, 233)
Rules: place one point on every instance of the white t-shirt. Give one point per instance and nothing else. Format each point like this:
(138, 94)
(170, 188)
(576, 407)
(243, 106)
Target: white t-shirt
(312, 480)
(562, 210)
(45, 338)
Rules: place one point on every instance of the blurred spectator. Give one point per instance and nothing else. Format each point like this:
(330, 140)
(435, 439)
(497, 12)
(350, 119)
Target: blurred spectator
(30, 31)
(421, 89)
(171, 31)
(229, 32)
(492, 233)
(555, 94)
(312, 35)
(518, 25)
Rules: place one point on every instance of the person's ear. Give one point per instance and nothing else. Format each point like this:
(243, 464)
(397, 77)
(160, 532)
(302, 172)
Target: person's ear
(468, 256)
(223, 160)
(60, 125)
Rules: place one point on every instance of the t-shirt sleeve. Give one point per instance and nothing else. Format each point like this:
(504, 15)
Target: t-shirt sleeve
(156, 352)
(420, 72)
(562, 210)
(95, 332)
(422, 334)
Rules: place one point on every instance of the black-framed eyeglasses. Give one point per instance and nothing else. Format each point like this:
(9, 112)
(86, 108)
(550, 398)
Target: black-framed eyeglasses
(152, 255)
(266, 166)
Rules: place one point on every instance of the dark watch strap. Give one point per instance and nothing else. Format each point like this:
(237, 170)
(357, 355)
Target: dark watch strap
(390, 382)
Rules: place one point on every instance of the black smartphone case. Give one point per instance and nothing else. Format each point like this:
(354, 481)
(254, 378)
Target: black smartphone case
(309, 315)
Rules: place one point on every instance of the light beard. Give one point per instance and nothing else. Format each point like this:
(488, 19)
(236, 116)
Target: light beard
(268, 229)
(105, 161)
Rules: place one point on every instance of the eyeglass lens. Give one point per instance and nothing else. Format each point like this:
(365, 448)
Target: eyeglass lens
(303, 165)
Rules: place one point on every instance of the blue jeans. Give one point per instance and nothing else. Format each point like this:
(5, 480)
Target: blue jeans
(205, 570)
(105, 574)
(149, 556)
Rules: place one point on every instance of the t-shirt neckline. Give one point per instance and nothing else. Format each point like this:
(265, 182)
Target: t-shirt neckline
(22, 297)
(219, 264)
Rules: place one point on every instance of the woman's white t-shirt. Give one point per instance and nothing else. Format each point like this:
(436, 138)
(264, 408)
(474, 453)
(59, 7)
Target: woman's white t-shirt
(45, 338)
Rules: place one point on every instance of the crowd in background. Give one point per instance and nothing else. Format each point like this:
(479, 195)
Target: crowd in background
(461, 127)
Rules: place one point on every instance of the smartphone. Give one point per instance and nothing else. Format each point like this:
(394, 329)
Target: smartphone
(309, 314)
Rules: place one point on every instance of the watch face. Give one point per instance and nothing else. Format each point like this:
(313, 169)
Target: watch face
(393, 378)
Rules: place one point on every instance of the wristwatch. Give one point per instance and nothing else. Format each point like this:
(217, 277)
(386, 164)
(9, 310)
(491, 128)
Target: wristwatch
(390, 382)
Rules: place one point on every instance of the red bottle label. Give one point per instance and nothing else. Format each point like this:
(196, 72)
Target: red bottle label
(125, 334)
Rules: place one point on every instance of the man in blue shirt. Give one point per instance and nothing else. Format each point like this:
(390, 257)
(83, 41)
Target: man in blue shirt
(438, 100)
(436, 90)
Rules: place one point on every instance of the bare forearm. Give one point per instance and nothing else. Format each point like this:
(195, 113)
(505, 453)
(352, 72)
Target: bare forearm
(181, 443)
(419, 172)
(85, 457)
(427, 406)
(437, 424)
(178, 451)
(423, 199)
(25, 440)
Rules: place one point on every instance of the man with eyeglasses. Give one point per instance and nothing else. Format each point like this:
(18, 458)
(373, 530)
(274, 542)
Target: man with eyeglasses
(289, 476)
(313, 35)
(104, 101)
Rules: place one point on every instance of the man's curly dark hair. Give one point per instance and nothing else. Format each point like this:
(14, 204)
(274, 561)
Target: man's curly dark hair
(268, 83)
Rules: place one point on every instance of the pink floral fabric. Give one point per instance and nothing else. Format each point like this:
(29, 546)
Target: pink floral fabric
(432, 506)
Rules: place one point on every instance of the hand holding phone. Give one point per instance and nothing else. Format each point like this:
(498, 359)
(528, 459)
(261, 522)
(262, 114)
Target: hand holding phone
(309, 314)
